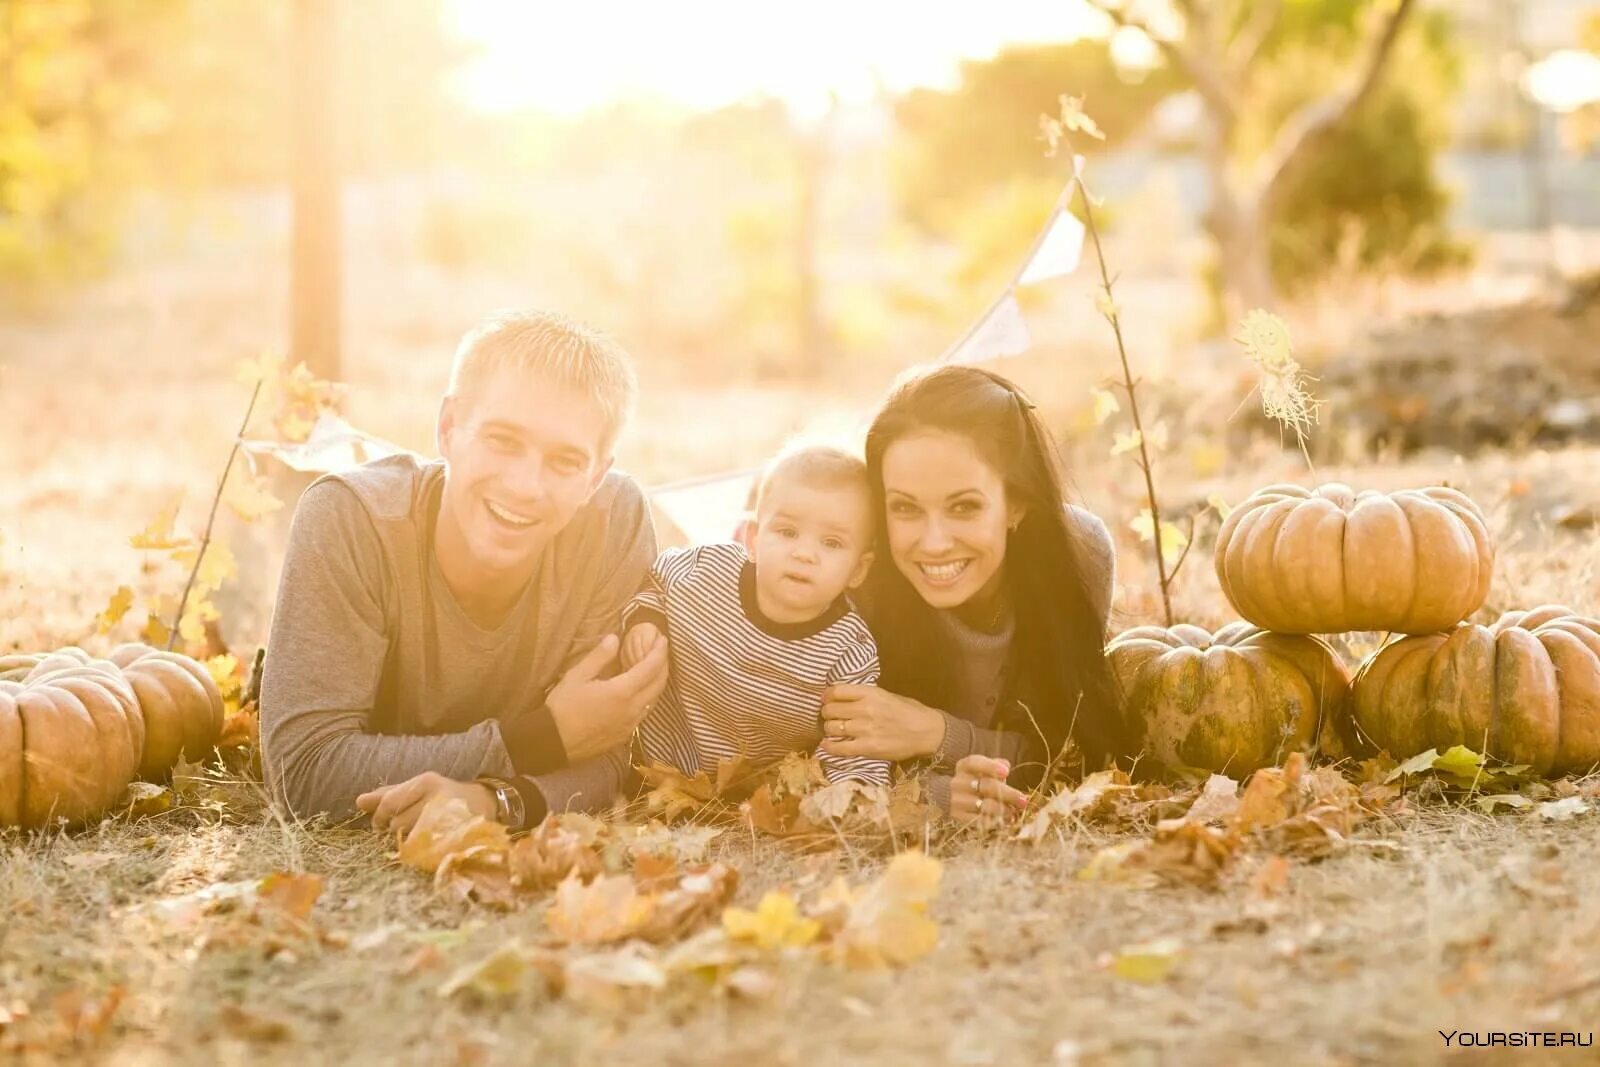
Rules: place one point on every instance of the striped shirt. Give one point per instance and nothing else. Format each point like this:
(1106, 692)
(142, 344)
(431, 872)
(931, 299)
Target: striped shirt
(742, 683)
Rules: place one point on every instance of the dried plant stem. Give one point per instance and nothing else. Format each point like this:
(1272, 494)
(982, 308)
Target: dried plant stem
(1128, 383)
(211, 519)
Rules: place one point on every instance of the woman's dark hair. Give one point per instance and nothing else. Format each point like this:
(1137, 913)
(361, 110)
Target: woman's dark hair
(1060, 636)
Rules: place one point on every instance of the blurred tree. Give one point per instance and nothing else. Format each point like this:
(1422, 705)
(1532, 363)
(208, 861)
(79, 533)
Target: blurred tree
(1281, 82)
(1581, 129)
(315, 277)
(101, 98)
(76, 106)
(1316, 161)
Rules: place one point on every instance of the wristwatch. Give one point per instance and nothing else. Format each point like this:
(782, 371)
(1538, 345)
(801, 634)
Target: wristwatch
(508, 808)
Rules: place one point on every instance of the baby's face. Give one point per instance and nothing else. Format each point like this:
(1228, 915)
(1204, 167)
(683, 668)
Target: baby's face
(811, 544)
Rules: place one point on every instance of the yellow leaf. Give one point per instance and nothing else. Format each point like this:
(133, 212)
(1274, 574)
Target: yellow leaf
(1173, 540)
(1105, 305)
(1105, 404)
(264, 368)
(121, 601)
(886, 923)
(500, 974)
(199, 611)
(248, 496)
(216, 566)
(155, 632)
(776, 923)
(1222, 507)
(1206, 458)
(159, 535)
(1126, 442)
(1149, 961)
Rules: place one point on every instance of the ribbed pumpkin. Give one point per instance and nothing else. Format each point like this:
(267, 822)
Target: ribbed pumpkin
(70, 739)
(181, 703)
(1525, 690)
(1232, 702)
(1331, 560)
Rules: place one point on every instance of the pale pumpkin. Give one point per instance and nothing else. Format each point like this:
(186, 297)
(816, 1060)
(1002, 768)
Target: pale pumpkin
(181, 703)
(1232, 702)
(70, 740)
(1524, 690)
(1331, 560)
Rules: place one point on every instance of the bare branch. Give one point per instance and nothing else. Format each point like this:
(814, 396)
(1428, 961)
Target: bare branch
(1246, 46)
(1201, 68)
(1305, 130)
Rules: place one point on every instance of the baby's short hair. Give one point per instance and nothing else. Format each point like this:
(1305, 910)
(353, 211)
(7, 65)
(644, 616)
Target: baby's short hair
(820, 466)
(569, 353)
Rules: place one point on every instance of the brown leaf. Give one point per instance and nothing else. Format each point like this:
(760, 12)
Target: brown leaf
(698, 898)
(606, 910)
(86, 1018)
(292, 894)
(447, 825)
(250, 1026)
(885, 924)
(557, 848)
(1271, 878)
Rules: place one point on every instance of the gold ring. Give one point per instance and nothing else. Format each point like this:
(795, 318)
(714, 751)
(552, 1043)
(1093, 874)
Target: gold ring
(978, 807)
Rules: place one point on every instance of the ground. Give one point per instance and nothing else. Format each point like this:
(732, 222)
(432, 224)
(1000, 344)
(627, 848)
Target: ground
(1440, 918)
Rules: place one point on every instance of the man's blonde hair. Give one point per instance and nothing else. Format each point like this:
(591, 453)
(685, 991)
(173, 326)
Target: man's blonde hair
(568, 353)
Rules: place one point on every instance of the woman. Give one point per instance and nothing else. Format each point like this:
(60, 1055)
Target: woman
(988, 600)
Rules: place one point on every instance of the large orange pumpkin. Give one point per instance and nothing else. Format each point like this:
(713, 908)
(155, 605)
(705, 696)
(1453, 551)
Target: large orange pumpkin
(70, 740)
(1232, 702)
(181, 703)
(1330, 560)
(1525, 690)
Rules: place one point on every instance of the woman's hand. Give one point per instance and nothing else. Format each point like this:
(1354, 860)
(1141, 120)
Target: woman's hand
(978, 791)
(399, 806)
(863, 720)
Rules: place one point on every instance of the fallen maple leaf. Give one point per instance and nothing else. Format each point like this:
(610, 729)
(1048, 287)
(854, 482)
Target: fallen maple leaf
(121, 602)
(885, 924)
(608, 909)
(561, 846)
(293, 894)
(501, 974)
(698, 896)
(775, 924)
(447, 825)
(1148, 961)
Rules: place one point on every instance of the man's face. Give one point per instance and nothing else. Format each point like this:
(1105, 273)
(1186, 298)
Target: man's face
(525, 454)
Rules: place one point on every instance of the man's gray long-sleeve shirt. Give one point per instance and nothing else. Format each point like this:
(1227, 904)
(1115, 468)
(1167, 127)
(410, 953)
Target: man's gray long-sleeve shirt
(374, 674)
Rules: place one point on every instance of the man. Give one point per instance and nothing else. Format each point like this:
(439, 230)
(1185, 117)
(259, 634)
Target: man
(447, 627)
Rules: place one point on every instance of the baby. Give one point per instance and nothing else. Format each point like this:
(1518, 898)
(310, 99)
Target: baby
(754, 642)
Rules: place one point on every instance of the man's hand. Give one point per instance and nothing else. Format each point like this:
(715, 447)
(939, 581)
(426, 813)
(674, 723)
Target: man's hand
(399, 806)
(594, 714)
(638, 642)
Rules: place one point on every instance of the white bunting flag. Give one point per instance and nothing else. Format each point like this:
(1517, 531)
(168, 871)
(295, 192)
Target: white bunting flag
(332, 445)
(1003, 332)
(1058, 253)
(704, 510)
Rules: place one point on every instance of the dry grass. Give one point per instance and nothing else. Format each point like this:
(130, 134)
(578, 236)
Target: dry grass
(1363, 958)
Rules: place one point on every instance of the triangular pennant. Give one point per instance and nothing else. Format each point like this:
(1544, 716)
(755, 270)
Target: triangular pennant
(1058, 253)
(705, 510)
(1003, 332)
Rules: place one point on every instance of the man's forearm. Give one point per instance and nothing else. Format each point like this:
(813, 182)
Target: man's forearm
(320, 761)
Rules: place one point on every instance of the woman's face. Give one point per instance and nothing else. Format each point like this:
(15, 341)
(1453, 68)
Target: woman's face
(947, 516)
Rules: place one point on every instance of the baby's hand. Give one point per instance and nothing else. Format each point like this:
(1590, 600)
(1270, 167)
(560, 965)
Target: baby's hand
(637, 642)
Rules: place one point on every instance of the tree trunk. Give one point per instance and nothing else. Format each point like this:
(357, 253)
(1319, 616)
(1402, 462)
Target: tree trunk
(1240, 234)
(316, 279)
